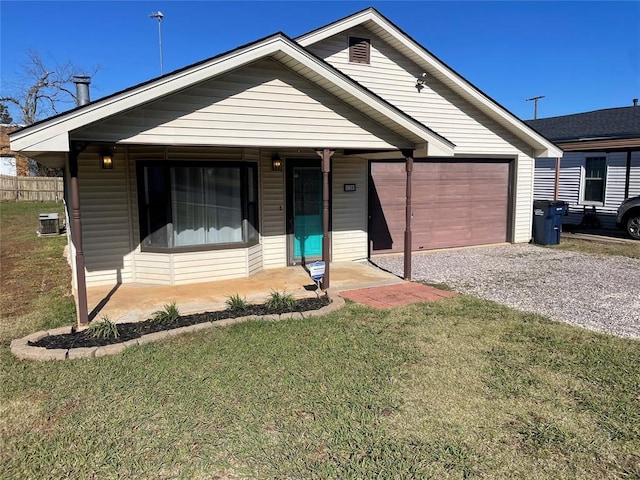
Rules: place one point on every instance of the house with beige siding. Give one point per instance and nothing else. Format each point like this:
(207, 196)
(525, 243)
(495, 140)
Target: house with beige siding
(347, 142)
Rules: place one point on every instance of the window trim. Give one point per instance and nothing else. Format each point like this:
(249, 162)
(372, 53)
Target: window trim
(352, 42)
(583, 182)
(168, 164)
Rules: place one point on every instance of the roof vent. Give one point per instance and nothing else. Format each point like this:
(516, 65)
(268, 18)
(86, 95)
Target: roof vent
(635, 102)
(359, 50)
(82, 89)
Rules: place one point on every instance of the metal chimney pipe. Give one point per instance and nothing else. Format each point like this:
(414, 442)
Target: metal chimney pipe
(82, 89)
(635, 102)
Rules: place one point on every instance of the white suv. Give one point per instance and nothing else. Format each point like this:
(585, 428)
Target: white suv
(628, 216)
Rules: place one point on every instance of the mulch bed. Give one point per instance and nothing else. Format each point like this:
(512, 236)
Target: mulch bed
(130, 331)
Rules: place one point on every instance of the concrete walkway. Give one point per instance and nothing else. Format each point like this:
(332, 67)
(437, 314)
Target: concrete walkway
(134, 302)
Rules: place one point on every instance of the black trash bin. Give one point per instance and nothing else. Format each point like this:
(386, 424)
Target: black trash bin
(547, 221)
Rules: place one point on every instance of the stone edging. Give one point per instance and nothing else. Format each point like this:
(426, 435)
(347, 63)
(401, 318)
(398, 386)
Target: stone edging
(21, 348)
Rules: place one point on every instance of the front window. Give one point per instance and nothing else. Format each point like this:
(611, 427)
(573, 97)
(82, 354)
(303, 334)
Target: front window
(187, 206)
(594, 179)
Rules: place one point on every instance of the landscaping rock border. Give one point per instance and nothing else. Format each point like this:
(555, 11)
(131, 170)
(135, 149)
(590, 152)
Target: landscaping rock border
(20, 347)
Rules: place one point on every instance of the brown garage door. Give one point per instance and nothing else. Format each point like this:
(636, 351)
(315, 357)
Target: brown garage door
(455, 204)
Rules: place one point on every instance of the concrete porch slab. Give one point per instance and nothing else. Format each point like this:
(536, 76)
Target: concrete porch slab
(134, 302)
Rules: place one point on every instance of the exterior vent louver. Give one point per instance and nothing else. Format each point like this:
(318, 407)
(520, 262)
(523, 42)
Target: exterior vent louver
(359, 50)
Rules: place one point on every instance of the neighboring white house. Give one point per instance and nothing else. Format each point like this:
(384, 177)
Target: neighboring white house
(285, 151)
(600, 167)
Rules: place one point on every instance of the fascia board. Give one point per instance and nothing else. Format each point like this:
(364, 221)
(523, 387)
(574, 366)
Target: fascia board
(52, 142)
(457, 82)
(334, 28)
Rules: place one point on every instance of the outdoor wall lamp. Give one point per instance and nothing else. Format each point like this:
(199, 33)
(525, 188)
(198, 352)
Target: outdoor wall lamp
(276, 163)
(420, 82)
(107, 159)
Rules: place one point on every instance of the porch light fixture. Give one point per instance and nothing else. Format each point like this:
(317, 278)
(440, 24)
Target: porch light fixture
(107, 159)
(276, 163)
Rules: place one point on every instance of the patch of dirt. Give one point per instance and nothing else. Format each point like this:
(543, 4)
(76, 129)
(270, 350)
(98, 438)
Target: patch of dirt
(130, 331)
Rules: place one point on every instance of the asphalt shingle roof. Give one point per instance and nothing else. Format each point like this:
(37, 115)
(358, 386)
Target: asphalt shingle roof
(622, 122)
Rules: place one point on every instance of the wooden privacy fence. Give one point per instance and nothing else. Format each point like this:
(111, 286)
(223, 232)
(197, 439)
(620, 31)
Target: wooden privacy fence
(30, 189)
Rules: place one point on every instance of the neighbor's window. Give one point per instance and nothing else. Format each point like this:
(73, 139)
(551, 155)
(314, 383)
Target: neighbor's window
(594, 179)
(359, 50)
(187, 206)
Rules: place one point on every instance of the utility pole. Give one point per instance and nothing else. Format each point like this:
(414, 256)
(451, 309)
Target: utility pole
(159, 16)
(535, 105)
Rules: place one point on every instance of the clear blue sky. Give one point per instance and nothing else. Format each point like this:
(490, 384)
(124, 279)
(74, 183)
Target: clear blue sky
(581, 55)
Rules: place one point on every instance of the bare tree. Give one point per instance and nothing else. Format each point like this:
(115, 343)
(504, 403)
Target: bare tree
(41, 91)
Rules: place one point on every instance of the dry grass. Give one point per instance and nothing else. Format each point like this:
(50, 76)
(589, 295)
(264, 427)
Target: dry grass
(36, 280)
(595, 247)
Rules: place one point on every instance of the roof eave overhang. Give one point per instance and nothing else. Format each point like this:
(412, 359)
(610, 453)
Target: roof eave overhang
(53, 135)
(604, 144)
(542, 147)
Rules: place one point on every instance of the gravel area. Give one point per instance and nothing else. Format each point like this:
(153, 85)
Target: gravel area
(601, 293)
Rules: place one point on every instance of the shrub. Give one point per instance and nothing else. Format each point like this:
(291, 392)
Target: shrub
(103, 329)
(237, 303)
(169, 314)
(280, 301)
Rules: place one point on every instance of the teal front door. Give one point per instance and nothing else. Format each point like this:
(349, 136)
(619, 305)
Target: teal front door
(305, 214)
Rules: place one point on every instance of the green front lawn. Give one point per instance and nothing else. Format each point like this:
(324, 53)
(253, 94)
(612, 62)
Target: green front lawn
(462, 388)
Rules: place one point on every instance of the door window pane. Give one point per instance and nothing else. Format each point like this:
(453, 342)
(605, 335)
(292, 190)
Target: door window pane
(307, 191)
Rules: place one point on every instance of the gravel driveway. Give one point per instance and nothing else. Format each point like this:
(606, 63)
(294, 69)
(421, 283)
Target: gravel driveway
(601, 293)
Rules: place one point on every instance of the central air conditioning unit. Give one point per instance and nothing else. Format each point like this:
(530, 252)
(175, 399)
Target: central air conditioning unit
(49, 224)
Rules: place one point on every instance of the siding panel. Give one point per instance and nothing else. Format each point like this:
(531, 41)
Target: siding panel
(393, 77)
(209, 266)
(263, 104)
(349, 221)
(273, 230)
(105, 219)
(523, 200)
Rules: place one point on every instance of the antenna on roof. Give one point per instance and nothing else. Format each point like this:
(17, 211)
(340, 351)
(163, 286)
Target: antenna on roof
(535, 105)
(159, 16)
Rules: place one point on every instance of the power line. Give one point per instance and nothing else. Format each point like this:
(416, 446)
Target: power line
(535, 105)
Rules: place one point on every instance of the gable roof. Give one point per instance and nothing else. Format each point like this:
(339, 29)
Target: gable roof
(609, 123)
(432, 65)
(52, 134)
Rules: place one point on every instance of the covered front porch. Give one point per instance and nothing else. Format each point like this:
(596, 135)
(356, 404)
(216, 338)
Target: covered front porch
(137, 301)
